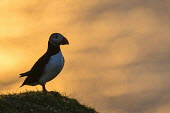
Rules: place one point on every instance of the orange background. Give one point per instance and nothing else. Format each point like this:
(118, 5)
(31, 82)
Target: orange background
(118, 59)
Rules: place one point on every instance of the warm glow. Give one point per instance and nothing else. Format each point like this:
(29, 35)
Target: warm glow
(118, 57)
(7, 62)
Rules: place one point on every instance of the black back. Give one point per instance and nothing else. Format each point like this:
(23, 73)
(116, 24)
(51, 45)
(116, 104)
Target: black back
(36, 71)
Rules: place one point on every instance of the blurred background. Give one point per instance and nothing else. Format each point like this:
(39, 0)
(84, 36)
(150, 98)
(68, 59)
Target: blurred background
(118, 59)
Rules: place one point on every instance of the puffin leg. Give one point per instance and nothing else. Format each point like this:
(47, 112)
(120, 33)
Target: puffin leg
(44, 89)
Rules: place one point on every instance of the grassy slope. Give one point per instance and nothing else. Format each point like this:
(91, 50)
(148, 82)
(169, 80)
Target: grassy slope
(37, 102)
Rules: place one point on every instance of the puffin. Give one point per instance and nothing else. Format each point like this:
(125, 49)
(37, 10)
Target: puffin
(49, 65)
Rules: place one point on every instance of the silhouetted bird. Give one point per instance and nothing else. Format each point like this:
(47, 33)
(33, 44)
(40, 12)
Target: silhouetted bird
(49, 65)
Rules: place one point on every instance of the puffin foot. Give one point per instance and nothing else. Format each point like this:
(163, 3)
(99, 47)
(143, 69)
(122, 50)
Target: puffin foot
(44, 89)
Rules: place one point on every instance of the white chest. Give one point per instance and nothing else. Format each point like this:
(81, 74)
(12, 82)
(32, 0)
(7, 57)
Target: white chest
(52, 68)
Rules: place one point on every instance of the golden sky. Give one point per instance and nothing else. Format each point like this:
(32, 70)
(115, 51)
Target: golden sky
(118, 59)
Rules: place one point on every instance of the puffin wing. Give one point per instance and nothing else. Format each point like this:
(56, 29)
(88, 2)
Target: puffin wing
(36, 71)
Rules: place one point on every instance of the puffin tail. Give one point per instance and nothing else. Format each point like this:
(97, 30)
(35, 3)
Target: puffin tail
(24, 74)
(20, 86)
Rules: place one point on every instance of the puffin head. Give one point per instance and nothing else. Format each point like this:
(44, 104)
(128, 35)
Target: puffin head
(57, 39)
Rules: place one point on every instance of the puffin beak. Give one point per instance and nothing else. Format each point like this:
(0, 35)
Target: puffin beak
(64, 41)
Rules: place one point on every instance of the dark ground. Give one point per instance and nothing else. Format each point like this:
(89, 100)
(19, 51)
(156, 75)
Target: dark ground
(38, 102)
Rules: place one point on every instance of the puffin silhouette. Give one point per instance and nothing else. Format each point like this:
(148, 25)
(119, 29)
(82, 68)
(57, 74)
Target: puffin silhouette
(49, 65)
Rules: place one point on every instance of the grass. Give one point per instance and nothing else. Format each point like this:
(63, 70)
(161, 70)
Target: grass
(37, 102)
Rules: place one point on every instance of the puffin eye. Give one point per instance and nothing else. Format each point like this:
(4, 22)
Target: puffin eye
(56, 36)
